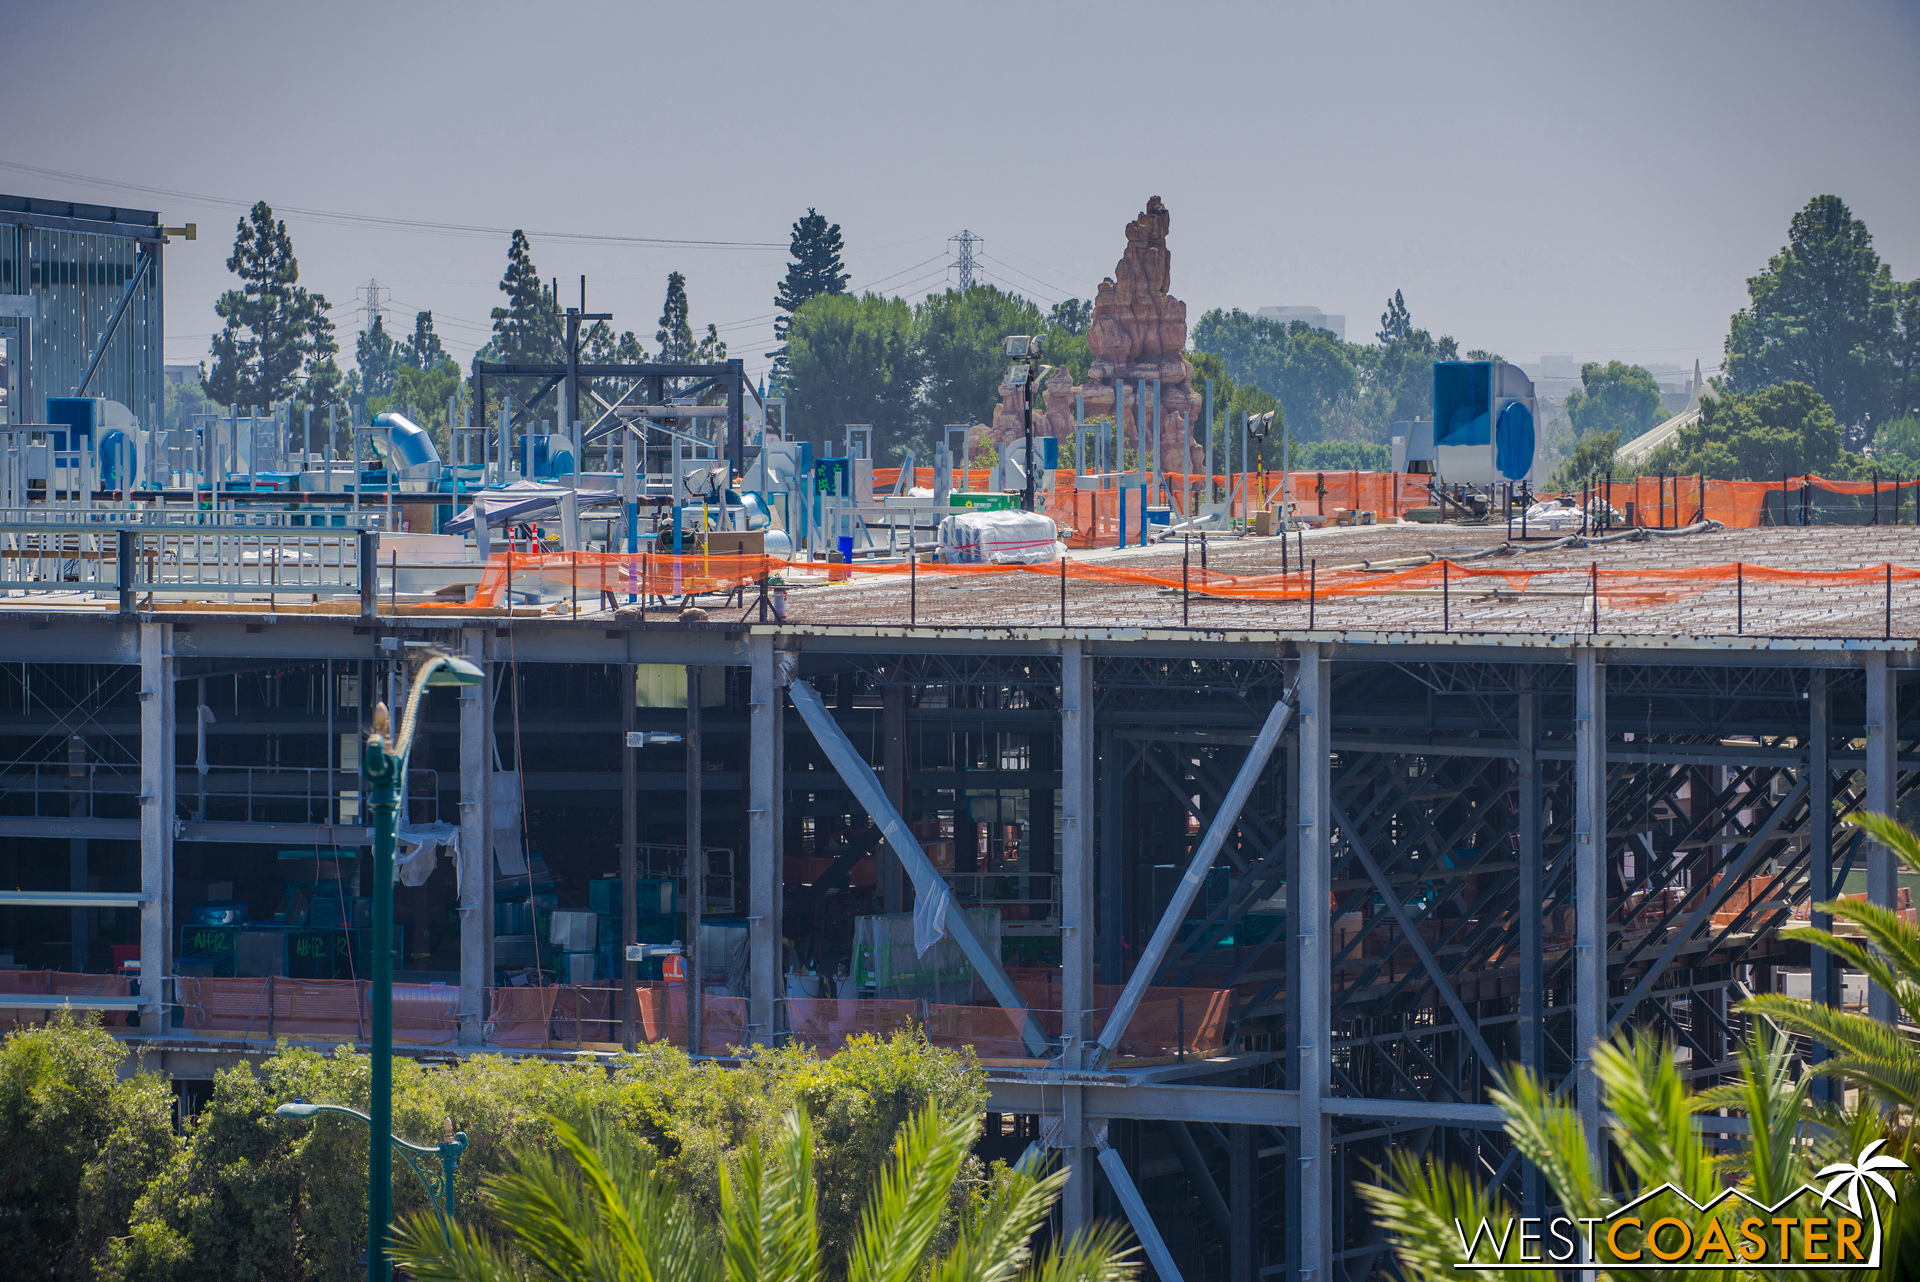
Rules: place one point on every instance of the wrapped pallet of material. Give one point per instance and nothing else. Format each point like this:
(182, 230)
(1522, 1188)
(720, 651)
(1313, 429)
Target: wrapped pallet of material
(999, 538)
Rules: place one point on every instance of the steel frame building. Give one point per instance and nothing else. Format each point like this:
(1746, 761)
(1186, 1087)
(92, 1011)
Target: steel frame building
(1485, 848)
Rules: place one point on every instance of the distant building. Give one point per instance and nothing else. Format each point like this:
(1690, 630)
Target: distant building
(1335, 325)
(177, 373)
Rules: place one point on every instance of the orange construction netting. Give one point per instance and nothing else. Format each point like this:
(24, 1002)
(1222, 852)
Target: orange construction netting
(660, 574)
(1669, 502)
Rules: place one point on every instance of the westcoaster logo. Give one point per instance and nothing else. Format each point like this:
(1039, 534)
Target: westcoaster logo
(1664, 1228)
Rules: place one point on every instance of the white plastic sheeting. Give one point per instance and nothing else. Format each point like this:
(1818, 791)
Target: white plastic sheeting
(999, 538)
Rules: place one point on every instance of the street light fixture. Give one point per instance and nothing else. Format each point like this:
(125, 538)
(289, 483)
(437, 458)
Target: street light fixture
(447, 1150)
(1026, 372)
(383, 764)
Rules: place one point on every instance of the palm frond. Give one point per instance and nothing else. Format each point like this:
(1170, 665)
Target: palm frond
(992, 1246)
(1889, 832)
(1099, 1253)
(1423, 1205)
(1864, 1049)
(1774, 1105)
(905, 1208)
(1547, 1132)
(1656, 1134)
(430, 1254)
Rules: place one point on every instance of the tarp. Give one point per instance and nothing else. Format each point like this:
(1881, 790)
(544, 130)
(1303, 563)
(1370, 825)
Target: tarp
(999, 538)
(527, 501)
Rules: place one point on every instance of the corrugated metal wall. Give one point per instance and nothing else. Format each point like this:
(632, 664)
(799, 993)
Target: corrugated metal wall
(78, 278)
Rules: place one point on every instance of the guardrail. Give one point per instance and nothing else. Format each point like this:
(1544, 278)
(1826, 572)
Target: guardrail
(130, 559)
(101, 517)
(224, 794)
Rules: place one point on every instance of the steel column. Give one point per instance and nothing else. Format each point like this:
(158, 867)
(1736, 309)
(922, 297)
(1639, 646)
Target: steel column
(476, 840)
(1532, 919)
(1883, 739)
(1113, 867)
(1820, 850)
(1077, 910)
(157, 733)
(765, 863)
(1311, 1032)
(1589, 881)
(889, 881)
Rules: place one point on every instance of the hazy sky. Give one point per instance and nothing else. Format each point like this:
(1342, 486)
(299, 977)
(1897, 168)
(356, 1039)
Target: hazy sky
(1588, 179)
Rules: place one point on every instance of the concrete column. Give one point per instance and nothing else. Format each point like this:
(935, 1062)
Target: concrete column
(476, 840)
(765, 857)
(1820, 849)
(157, 730)
(1883, 740)
(1311, 1028)
(1589, 881)
(1532, 923)
(1077, 913)
(890, 877)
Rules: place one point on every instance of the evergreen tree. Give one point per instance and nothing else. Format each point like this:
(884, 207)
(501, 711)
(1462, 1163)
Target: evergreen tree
(1395, 323)
(1822, 313)
(377, 357)
(275, 330)
(528, 327)
(424, 350)
(816, 269)
(675, 336)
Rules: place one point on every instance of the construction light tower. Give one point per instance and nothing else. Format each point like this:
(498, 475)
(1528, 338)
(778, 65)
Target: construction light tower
(963, 257)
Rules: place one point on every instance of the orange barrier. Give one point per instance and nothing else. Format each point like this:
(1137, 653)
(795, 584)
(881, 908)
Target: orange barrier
(1669, 502)
(57, 983)
(824, 1024)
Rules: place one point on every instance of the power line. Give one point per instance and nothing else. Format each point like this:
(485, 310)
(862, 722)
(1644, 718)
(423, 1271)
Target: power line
(398, 224)
(1029, 275)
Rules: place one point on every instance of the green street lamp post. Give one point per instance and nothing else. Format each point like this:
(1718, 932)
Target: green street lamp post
(448, 1151)
(384, 767)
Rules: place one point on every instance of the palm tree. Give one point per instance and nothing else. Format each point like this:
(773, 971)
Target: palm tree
(599, 1210)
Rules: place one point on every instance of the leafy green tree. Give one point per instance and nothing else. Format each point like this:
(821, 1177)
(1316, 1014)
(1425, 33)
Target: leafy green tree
(80, 1143)
(1073, 316)
(1592, 456)
(1821, 313)
(963, 334)
(1396, 377)
(816, 269)
(1905, 351)
(1783, 430)
(675, 335)
(601, 1211)
(1896, 446)
(854, 360)
(424, 350)
(1309, 371)
(274, 330)
(1614, 397)
(376, 357)
(1337, 456)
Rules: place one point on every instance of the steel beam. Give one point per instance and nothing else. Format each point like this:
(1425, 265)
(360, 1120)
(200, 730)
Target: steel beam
(1589, 881)
(1137, 1215)
(158, 716)
(765, 862)
(1883, 739)
(476, 854)
(927, 881)
(1224, 820)
(1531, 808)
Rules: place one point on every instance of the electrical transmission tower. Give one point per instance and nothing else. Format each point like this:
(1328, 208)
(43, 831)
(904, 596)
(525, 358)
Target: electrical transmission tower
(375, 294)
(963, 259)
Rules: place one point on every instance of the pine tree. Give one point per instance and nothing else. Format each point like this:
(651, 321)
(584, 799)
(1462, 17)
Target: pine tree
(274, 330)
(816, 269)
(1395, 323)
(424, 350)
(675, 336)
(528, 327)
(377, 358)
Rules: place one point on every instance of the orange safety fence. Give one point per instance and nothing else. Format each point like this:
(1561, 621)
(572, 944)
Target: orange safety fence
(824, 1024)
(56, 983)
(1669, 502)
(1634, 588)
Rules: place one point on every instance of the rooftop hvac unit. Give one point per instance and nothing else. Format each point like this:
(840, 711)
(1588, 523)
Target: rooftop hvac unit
(1483, 422)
